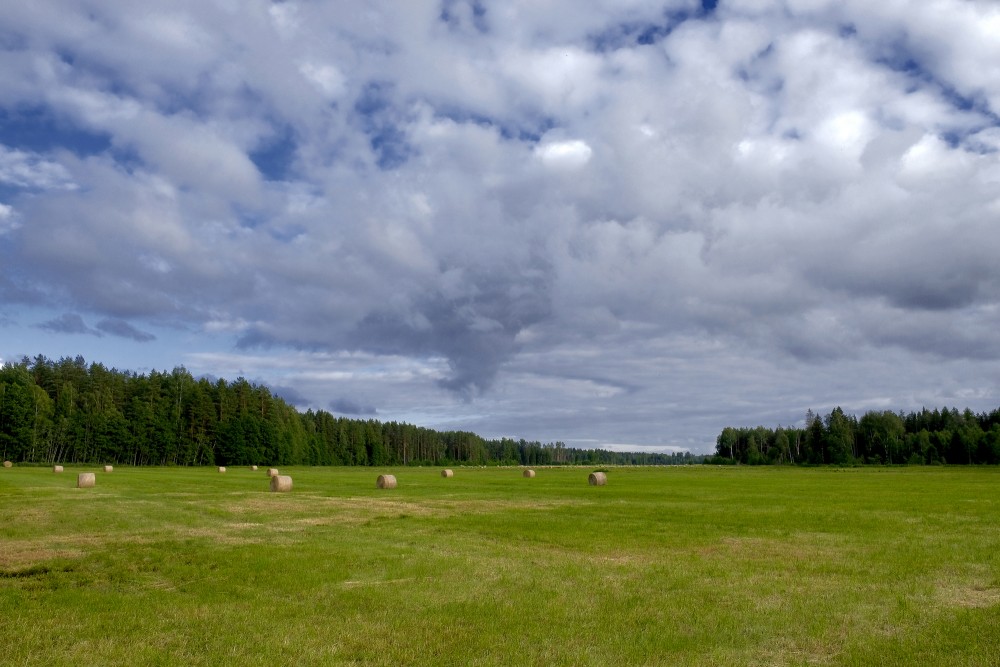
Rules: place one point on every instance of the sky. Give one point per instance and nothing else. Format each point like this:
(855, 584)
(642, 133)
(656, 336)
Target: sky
(619, 223)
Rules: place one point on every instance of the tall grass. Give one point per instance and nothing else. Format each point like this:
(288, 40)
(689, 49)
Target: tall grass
(675, 566)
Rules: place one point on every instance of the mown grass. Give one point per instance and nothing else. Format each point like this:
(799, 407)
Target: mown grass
(676, 566)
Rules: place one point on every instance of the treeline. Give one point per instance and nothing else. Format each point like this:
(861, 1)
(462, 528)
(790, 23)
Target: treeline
(916, 438)
(67, 411)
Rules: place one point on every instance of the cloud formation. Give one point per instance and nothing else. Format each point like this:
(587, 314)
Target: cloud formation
(69, 323)
(637, 221)
(123, 329)
(72, 323)
(347, 406)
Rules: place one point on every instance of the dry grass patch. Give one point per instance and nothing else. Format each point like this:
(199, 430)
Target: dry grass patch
(971, 588)
(802, 651)
(228, 534)
(976, 596)
(382, 582)
(323, 510)
(639, 558)
(801, 547)
(17, 557)
(37, 514)
(348, 510)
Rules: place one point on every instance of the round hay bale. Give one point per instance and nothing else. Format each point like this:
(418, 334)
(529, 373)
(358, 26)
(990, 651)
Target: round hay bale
(222, 468)
(57, 468)
(109, 468)
(281, 483)
(253, 467)
(8, 464)
(386, 482)
(597, 479)
(272, 472)
(86, 480)
(447, 473)
(529, 473)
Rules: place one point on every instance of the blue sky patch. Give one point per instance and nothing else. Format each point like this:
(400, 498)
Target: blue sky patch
(287, 234)
(527, 130)
(380, 122)
(477, 12)
(274, 158)
(36, 129)
(644, 33)
(898, 57)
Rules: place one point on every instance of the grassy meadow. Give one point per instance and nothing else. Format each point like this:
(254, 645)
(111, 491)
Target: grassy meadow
(663, 566)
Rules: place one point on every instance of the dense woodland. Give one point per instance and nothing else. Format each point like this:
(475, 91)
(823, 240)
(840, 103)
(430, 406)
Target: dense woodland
(67, 411)
(926, 437)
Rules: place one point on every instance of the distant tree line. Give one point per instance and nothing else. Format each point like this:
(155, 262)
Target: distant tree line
(927, 437)
(67, 411)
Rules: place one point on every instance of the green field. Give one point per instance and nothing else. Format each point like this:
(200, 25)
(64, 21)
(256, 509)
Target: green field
(663, 566)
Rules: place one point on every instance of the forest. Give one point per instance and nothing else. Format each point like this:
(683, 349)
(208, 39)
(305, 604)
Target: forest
(67, 411)
(928, 437)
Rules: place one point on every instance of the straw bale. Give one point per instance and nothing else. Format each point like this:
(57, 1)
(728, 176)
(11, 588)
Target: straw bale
(86, 480)
(253, 467)
(386, 482)
(8, 464)
(447, 473)
(272, 472)
(109, 468)
(281, 483)
(529, 473)
(222, 468)
(597, 479)
(57, 468)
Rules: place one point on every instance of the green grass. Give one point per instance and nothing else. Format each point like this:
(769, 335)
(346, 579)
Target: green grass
(676, 566)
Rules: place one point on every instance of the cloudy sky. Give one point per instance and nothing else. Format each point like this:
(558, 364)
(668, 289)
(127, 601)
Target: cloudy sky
(616, 223)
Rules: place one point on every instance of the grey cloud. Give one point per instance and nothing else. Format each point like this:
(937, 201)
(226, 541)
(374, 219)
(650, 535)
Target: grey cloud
(346, 406)
(474, 326)
(290, 395)
(69, 323)
(17, 290)
(73, 323)
(123, 329)
(929, 294)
